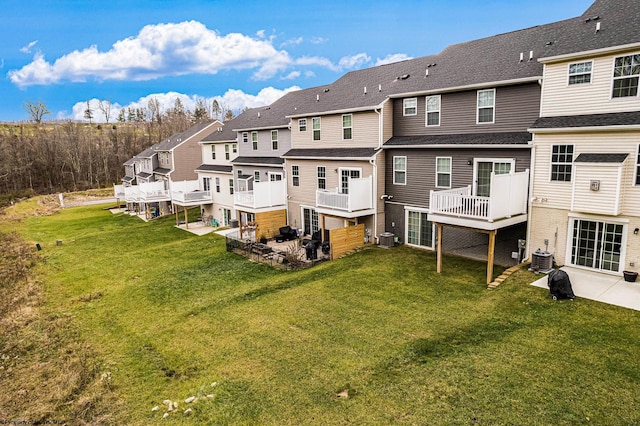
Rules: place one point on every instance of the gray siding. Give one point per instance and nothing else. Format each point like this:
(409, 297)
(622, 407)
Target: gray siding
(516, 109)
(421, 174)
(245, 149)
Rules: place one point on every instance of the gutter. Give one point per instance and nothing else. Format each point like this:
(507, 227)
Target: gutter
(616, 128)
(532, 79)
(594, 52)
(459, 146)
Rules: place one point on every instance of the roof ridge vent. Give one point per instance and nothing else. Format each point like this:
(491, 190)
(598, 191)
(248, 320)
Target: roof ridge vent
(258, 114)
(379, 87)
(365, 90)
(531, 55)
(326, 89)
(521, 56)
(426, 73)
(318, 98)
(597, 27)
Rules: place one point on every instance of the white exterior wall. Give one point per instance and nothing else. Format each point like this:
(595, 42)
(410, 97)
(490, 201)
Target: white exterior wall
(559, 98)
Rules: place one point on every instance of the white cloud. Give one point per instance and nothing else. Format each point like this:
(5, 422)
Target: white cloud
(261, 33)
(317, 61)
(309, 74)
(233, 99)
(158, 51)
(292, 42)
(396, 57)
(292, 75)
(355, 61)
(27, 48)
(319, 40)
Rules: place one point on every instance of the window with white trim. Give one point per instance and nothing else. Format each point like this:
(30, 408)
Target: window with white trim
(347, 126)
(596, 244)
(295, 175)
(626, 73)
(274, 140)
(254, 141)
(218, 184)
(234, 148)
(245, 137)
(226, 152)
(231, 186)
(486, 106)
(315, 123)
(410, 106)
(256, 175)
(206, 184)
(443, 172)
(433, 110)
(561, 163)
(419, 229)
(302, 124)
(213, 152)
(399, 170)
(580, 72)
(322, 177)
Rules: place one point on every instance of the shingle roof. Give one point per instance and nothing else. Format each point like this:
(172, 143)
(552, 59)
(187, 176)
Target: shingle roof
(176, 139)
(590, 120)
(331, 153)
(267, 161)
(214, 168)
(227, 133)
(601, 158)
(161, 171)
(127, 178)
(519, 138)
(144, 175)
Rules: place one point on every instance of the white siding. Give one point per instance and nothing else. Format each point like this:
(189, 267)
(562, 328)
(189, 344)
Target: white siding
(559, 98)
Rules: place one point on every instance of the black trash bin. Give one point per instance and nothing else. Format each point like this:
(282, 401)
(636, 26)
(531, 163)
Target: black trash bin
(311, 250)
(560, 285)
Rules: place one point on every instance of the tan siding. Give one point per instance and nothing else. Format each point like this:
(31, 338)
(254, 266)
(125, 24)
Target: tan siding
(365, 132)
(604, 201)
(589, 98)
(558, 194)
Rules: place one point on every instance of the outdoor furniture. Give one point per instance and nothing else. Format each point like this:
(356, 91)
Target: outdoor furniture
(287, 233)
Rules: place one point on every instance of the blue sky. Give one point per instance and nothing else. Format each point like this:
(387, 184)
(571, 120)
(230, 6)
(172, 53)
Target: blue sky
(241, 53)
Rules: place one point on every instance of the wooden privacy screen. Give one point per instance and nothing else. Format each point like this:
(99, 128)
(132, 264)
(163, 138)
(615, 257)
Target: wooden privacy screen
(269, 223)
(343, 240)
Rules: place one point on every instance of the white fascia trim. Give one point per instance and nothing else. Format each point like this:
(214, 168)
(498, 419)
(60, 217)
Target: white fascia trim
(533, 79)
(450, 146)
(595, 52)
(279, 166)
(620, 128)
(212, 142)
(330, 158)
(337, 111)
(253, 129)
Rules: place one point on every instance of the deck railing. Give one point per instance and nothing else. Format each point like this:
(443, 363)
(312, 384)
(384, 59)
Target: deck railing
(358, 198)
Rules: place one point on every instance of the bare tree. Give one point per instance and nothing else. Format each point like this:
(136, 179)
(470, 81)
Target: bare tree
(155, 110)
(200, 112)
(105, 107)
(37, 110)
(88, 113)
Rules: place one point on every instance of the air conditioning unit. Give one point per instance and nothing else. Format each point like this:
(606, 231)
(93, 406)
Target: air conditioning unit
(386, 239)
(541, 261)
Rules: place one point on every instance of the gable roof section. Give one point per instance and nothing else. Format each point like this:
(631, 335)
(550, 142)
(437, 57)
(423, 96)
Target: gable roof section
(331, 153)
(178, 138)
(214, 168)
(460, 140)
(590, 120)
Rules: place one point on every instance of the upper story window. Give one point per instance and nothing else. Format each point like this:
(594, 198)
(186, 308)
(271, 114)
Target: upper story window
(302, 124)
(433, 110)
(486, 106)
(226, 152)
(274, 140)
(347, 126)
(295, 175)
(206, 184)
(626, 73)
(410, 106)
(322, 177)
(256, 175)
(254, 141)
(316, 128)
(580, 72)
(234, 148)
(443, 172)
(400, 170)
(213, 152)
(217, 184)
(561, 163)
(231, 186)
(245, 137)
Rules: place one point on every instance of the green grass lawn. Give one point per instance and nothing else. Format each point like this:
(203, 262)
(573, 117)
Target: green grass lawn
(169, 315)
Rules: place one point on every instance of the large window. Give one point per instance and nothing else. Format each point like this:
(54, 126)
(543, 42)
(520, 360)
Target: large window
(254, 141)
(310, 221)
(295, 175)
(206, 184)
(486, 105)
(597, 244)
(274, 140)
(302, 124)
(419, 229)
(347, 126)
(561, 162)
(231, 186)
(226, 152)
(213, 152)
(218, 184)
(315, 122)
(580, 72)
(443, 172)
(626, 73)
(433, 110)
(322, 177)
(256, 175)
(410, 106)
(400, 170)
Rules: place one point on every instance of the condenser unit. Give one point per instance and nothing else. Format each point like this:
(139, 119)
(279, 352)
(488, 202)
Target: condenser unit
(541, 261)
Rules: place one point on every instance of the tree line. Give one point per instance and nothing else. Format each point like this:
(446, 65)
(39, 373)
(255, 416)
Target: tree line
(41, 156)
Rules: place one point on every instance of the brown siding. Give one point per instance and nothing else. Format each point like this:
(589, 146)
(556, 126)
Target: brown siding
(517, 108)
(421, 173)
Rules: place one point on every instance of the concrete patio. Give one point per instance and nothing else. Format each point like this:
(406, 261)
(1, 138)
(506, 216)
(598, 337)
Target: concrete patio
(605, 288)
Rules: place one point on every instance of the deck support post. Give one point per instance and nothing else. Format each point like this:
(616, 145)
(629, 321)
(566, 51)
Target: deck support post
(439, 248)
(491, 255)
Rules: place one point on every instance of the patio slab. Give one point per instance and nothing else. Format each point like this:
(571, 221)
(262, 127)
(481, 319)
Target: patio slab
(198, 228)
(601, 287)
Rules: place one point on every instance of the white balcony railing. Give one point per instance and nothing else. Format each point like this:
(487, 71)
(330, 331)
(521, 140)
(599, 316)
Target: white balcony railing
(264, 195)
(358, 198)
(132, 194)
(189, 192)
(154, 191)
(118, 191)
(508, 198)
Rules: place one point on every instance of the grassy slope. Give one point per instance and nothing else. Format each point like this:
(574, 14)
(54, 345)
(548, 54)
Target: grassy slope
(176, 313)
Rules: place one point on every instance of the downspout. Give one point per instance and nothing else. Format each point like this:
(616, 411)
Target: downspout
(530, 197)
(375, 174)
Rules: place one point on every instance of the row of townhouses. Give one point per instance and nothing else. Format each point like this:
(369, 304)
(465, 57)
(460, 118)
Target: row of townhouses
(500, 146)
